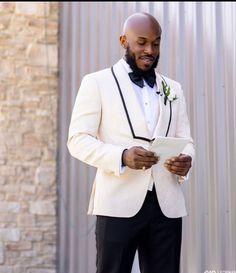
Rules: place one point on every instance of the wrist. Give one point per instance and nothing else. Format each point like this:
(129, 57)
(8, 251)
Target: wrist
(123, 158)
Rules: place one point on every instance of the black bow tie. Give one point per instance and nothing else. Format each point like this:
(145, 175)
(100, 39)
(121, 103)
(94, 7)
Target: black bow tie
(150, 78)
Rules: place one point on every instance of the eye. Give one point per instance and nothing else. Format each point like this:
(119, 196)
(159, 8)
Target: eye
(141, 43)
(156, 44)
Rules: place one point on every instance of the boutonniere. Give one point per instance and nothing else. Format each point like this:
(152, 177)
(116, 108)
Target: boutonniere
(168, 92)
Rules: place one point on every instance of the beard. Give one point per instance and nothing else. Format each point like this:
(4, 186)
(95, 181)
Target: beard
(130, 59)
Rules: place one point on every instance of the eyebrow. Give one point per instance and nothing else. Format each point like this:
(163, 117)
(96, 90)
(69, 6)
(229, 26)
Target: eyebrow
(144, 38)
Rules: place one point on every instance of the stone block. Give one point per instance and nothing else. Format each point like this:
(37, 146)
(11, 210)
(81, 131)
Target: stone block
(49, 154)
(50, 236)
(45, 222)
(2, 180)
(43, 270)
(11, 188)
(45, 175)
(19, 268)
(6, 269)
(32, 140)
(42, 55)
(33, 8)
(9, 234)
(28, 189)
(6, 69)
(27, 153)
(33, 236)
(50, 260)
(42, 208)
(1, 253)
(19, 246)
(3, 148)
(8, 218)
(29, 253)
(11, 256)
(7, 7)
(2, 196)
(47, 192)
(43, 125)
(26, 220)
(7, 170)
(4, 21)
(2, 161)
(11, 139)
(13, 113)
(2, 95)
(10, 207)
(12, 197)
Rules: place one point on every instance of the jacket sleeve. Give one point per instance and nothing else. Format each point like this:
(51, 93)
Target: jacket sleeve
(183, 130)
(83, 142)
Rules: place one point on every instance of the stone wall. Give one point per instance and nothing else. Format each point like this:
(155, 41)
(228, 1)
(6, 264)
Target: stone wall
(28, 136)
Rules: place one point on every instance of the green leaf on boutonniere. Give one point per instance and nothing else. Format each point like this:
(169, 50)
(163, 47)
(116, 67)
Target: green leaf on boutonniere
(168, 92)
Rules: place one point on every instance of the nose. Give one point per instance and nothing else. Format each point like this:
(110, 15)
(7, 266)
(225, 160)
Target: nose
(149, 49)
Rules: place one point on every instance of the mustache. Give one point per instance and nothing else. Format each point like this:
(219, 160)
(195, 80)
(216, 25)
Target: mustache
(152, 58)
(130, 59)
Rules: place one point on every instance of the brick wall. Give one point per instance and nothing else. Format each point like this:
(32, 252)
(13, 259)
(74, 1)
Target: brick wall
(28, 136)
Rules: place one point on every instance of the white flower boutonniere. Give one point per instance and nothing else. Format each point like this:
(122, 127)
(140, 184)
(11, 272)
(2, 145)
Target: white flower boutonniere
(168, 92)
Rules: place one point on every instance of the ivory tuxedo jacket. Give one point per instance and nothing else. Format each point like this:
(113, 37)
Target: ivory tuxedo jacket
(106, 119)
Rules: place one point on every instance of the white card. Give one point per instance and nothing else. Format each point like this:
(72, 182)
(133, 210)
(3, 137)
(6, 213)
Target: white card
(166, 147)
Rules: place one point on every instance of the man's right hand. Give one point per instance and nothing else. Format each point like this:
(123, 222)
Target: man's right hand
(137, 158)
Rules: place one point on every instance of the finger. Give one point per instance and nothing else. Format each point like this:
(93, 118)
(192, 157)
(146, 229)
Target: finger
(171, 160)
(149, 159)
(144, 166)
(142, 152)
(175, 168)
(139, 158)
(180, 173)
(183, 158)
(178, 169)
(147, 162)
(181, 164)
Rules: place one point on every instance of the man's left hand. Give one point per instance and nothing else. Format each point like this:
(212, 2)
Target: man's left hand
(179, 165)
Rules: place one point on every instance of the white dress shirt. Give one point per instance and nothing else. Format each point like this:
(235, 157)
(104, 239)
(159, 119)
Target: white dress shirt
(149, 102)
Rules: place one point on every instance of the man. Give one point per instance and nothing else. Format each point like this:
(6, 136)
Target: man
(117, 113)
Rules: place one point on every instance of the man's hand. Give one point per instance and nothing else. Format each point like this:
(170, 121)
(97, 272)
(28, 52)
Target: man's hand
(138, 158)
(179, 165)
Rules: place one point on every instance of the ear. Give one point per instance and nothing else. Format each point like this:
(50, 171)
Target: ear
(123, 41)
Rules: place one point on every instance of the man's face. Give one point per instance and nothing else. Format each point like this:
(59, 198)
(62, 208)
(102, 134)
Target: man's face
(143, 45)
(130, 59)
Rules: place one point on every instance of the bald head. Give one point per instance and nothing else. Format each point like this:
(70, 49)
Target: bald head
(140, 20)
(141, 39)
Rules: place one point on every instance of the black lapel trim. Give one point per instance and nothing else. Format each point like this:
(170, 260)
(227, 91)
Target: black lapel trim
(169, 120)
(165, 100)
(126, 111)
